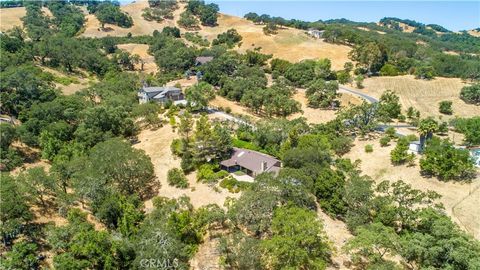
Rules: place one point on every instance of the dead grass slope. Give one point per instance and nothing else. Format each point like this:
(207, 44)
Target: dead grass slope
(290, 44)
(455, 195)
(11, 17)
(156, 144)
(140, 25)
(423, 95)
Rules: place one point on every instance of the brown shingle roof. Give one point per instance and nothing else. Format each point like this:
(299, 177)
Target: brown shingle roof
(252, 160)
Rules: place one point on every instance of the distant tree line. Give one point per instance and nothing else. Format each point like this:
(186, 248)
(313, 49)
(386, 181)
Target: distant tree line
(396, 52)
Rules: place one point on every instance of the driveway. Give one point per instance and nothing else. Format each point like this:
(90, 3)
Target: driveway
(343, 89)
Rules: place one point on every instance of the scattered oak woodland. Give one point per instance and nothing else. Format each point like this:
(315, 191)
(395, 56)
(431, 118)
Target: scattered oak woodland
(91, 179)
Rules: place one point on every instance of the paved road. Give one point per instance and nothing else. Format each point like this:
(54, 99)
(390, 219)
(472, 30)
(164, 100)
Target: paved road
(343, 89)
(382, 128)
(229, 117)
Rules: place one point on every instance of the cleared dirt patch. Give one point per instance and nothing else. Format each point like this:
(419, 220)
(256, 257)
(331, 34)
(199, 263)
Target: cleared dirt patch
(142, 51)
(423, 95)
(208, 255)
(317, 116)
(81, 81)
(368, 30)
(236, 108)
(377, 164)
(338, 234)
(156, 144)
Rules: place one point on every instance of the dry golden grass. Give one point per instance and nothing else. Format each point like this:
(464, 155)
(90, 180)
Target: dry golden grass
(318, 116)
(377, 164)
(236, 108)
(290, 44)
(141, 50)
(423, 95)
(72, 88)
(140, 25)
(474, 33)
(368, 30)
(156, 144)
(406, 28)
(11, 17)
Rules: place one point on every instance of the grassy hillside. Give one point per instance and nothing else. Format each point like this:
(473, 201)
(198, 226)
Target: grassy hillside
(423, 95)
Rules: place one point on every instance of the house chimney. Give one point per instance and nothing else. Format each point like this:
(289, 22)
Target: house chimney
(264, 166)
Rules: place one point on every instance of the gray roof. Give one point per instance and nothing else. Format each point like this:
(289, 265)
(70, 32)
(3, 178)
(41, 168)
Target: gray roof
(251, 160)
(203, 59)
(158, 88)
(158, 91)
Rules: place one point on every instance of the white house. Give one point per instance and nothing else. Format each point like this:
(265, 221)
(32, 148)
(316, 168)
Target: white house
(315, 33)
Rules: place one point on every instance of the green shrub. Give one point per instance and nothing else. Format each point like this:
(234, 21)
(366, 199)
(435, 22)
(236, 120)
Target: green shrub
(197, 39)
(65, 80)
(176, 178)
(244, 144)
(389, 70)
(399, 154)
(442, 128)
(424, 72)
(233, 185)
(445, 107)
(187, 164)
(384, 141)
(471, 94)
(10, 159)
(411, 137)
(470, 127)
(176, 147)
(209, 173)
(368, 148)
(443, 160)
(359, 81)
(230, 38)
(390, 132)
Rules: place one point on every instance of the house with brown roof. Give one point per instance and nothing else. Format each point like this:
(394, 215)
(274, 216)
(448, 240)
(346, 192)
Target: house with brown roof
(251, 162)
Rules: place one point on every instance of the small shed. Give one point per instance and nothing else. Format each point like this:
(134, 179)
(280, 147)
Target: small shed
(415, 147)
